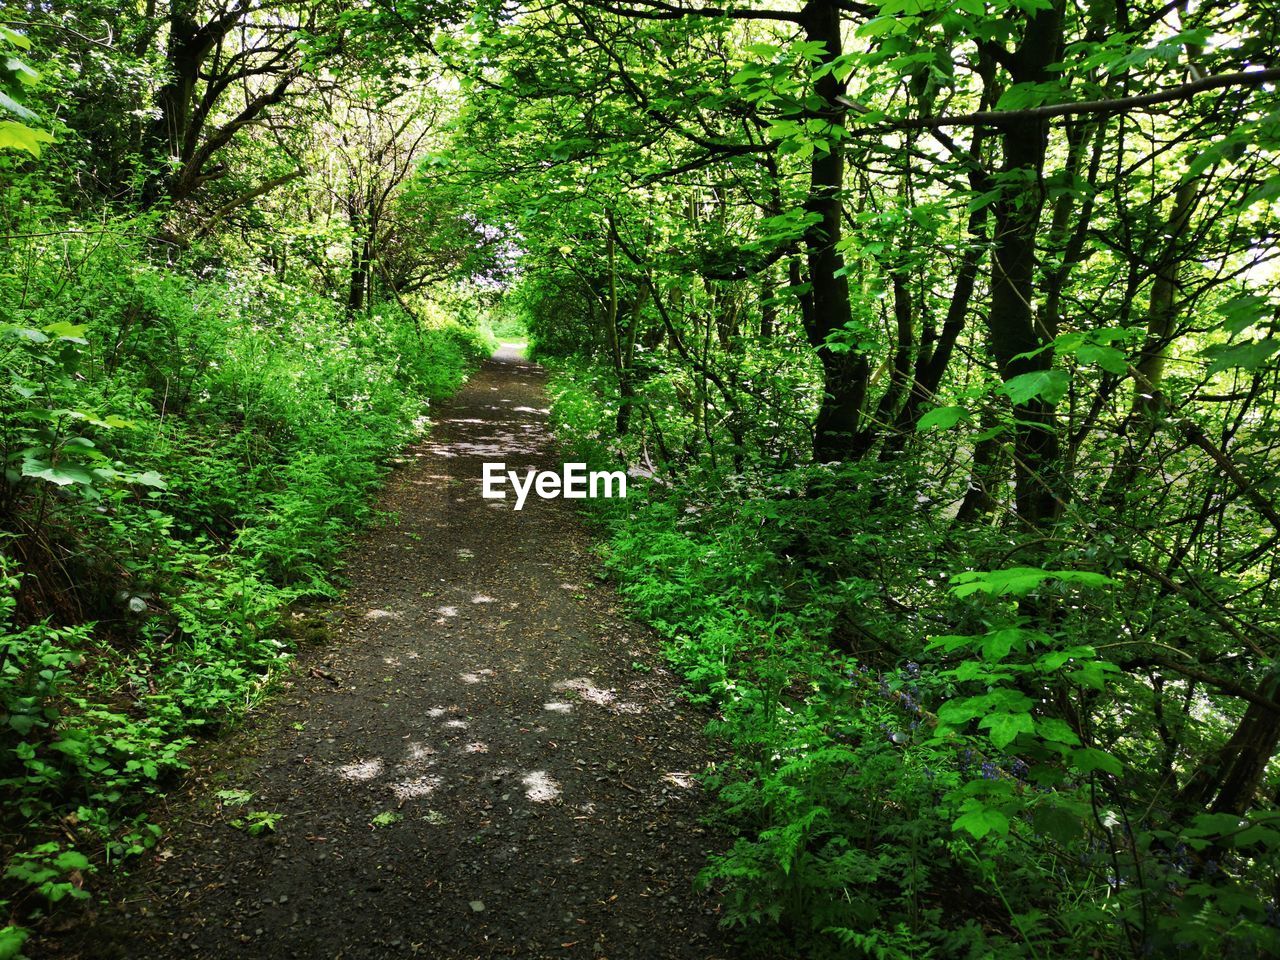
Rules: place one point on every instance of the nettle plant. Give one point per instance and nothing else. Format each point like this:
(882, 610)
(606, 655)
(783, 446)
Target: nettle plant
(50, 438)
(16, 76)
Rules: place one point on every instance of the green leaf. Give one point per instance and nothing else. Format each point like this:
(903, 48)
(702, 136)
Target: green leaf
(1093, 674)
(25, 333)
(1108, 358)
(980, 821)
(1057, 731)
(1247, 356)
(1085, 578)
(1058, 823)
(1018, 581)
(11, 941)
(944, 418)
(1242, 312)
(12, 36)
(13, 106)
(1056, 659)
(1089, 759)
(62, 476)
(26, 76)
(18, 136)
(1268, 191)
(1023, 95)
(1015, 580)
(63, 330)
(1214, 824)
(997, 644)
(1049, 385)
(879, 27)
(71, 860)
(150, 479)
(1005, 727)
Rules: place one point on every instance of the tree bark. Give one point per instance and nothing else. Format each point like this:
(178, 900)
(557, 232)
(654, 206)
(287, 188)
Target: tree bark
(845, 370)
(1014, 327)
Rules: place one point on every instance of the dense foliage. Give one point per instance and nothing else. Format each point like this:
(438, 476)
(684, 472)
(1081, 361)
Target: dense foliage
(945, 335)
(198, 394)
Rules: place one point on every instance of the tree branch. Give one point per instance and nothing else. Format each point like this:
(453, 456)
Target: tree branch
(996, 118)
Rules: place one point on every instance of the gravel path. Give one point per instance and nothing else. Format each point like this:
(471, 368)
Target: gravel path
(487, 760)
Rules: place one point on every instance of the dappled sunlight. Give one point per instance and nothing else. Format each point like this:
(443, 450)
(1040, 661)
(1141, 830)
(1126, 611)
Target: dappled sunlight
(477, 746)
(498, 447)
(447, 611)
(586, 690)
(681, 779)
(539, 787)
(456, 724)
(360, 770)
(381, 615)
(420, 753)
(558, 706)
(408, 779)
(415, 788)
(478, 676)
(483, 598)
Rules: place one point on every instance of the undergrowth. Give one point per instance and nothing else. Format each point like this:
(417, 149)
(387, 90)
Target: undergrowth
(892, 792)
(185, 455)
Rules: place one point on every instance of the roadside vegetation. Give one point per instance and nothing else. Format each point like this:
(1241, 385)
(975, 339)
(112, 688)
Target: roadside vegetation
(951, 362)
(940, 340)
(197, 402)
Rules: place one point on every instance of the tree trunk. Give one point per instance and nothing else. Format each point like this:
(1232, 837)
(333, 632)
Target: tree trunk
(844, 370)
(1014, 328)
(358, 288)
(900, 373)
(1230, 782)
(768, 306)
(188, 46)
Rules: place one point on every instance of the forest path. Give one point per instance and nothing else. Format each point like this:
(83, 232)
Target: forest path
(479, 695)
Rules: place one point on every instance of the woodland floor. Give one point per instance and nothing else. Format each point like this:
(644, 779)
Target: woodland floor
(483, 689)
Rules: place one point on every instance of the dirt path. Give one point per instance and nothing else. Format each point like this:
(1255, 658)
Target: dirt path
(530, 761)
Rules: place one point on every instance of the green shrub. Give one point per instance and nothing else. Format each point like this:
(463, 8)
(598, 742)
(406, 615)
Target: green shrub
(184, 456)
(891, 791)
